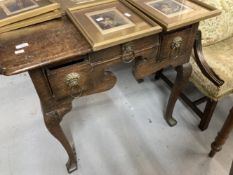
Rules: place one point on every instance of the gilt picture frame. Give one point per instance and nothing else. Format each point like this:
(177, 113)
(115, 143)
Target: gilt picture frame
(111, 23)
(173, 14)
(31, 21)
(11, 7)
(169, 8)
(12, 11)
(74, 3)
(109, 20)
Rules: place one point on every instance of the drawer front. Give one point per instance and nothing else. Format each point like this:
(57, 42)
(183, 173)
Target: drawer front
(146, 47)
(79, 79)
(176, 44)
(71, 80)
(175, 49)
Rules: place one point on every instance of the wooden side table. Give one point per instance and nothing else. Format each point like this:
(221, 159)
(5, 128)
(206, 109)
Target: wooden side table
(62, 66)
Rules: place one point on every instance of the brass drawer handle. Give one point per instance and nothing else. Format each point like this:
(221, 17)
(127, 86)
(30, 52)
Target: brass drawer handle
(176, 43)
(72, 80)
(128, 54)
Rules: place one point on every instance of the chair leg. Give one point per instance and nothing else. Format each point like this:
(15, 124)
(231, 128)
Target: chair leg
(208, 113)
(158, 74)
(231, 172)
(222, 135)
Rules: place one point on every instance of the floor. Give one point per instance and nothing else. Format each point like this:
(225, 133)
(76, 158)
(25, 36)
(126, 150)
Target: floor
(119, 132)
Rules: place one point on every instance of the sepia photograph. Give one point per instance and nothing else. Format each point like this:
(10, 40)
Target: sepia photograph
(109, 20)
(169, 8)
(12, 7)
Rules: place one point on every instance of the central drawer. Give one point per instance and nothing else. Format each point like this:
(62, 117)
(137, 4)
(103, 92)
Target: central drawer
(146, 47)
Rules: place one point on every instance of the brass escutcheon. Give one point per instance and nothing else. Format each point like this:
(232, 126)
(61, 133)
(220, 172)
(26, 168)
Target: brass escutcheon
(176, 43)
(128, 54)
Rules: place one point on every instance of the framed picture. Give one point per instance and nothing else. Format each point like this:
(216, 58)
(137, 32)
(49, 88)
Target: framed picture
(109, 20)
(28, 22)
(111, 23)
(11, 7)
(74, 3)
(169, 8)
(173, 14)
(12, 11)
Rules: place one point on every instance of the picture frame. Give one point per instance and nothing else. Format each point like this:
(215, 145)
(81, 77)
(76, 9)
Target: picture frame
(169, 8)
(74, 3)
(110, 23)
(12, 11)
(102, 20)
(173, 14)
(31, 21)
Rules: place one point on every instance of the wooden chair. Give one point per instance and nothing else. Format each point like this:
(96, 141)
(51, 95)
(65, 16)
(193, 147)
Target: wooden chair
(212, 64)
(212, 86)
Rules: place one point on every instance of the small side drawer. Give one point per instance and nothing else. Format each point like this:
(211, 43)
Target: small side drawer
(176, 44)
(70, 80)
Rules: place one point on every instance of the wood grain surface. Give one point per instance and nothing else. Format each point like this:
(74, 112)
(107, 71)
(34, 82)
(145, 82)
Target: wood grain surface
(49, 42)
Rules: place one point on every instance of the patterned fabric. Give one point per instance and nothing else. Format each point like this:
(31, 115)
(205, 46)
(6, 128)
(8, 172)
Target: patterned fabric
(220, 58)
(221, 27)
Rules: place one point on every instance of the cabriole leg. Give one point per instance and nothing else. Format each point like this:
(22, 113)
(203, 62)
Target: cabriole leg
(183, 74)
(53, 112)
(52, 122)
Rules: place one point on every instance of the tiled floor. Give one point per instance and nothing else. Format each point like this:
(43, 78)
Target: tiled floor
(119, 132)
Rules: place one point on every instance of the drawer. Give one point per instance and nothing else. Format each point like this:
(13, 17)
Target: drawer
(176, 44)
(175, 49)
(78, 79)
(70, 80)
(146, 47)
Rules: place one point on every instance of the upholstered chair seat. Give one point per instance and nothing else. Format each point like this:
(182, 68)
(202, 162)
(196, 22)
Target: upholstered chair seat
(219, 57)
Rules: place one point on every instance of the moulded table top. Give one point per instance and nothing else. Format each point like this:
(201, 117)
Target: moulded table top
(49, 42)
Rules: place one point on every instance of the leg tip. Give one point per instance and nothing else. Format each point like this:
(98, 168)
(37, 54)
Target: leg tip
(171, 122)
(71, 166)
(212, 154)
(202, 127)
(140, 81)
(157, 77)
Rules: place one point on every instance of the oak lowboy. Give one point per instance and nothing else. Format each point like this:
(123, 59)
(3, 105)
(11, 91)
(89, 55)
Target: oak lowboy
(62, 66)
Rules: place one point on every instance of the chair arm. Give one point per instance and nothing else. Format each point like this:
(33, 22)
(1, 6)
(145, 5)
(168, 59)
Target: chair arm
(202, 64)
